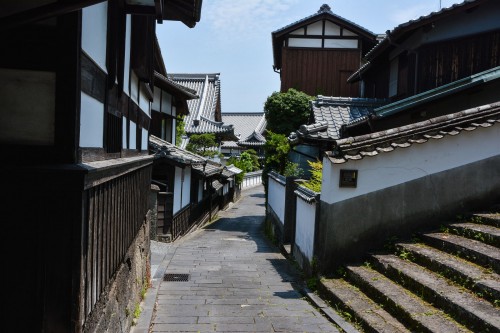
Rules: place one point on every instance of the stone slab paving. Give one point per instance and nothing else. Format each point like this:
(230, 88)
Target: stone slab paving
(238, 281)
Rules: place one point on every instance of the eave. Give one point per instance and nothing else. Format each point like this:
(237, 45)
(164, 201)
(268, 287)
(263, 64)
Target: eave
(401, 30)
(188, 12)
(439, 92)
(44, 12)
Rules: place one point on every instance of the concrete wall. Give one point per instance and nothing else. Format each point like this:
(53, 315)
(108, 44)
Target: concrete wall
(348, 228)
(115, 310)
(252, 179)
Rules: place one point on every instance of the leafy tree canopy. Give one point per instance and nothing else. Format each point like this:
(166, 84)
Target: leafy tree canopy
(285, 112)
(201, 143)
(276, 151)
(250, 158)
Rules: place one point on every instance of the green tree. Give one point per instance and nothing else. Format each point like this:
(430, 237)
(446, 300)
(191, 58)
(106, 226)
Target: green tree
(285, 112)
(276, 151)
(251, 159)
(201, 143)
(247, 162)
(179, 130)
(314, 183)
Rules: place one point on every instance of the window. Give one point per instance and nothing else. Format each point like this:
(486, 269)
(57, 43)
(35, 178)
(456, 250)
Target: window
(393, 77)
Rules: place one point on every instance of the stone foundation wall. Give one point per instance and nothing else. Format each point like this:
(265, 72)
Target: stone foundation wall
(115, 310)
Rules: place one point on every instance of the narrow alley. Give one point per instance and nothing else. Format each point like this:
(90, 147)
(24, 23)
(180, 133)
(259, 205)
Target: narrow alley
(237, 281)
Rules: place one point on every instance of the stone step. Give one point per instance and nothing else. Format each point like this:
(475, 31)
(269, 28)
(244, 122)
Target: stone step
(370, 315)
(472, 250)
(481, 232)
(416, 314)
(465, 307)
(491, 219)
(483, 282)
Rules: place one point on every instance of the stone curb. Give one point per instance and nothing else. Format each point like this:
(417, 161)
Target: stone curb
(148, 304)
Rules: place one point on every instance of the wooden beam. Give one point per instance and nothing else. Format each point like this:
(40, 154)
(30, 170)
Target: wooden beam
(44, 12)
(68, 87)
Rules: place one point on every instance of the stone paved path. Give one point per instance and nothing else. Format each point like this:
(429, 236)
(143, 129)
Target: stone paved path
(238, 281)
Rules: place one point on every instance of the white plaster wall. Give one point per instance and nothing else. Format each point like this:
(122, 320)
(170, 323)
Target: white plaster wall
(276, 198)
(133, 131)
(177, 190)
(174, 126)
(124, 132)
(166, 103)
(331, 29)
(315, 29)
(341, 43)
(156, 99)
(304, 230)
(27, 107)
(406, 164)
(302, 42)
(128, 38)
(300, 31)
(144, 140)
(91, 122)
(144, 103)
(346, 32)
(94, 28)
(134, 87)
(200, 190)
(186, 187)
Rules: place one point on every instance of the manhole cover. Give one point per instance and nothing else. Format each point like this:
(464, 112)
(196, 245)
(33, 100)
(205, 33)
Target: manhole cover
(176, 277)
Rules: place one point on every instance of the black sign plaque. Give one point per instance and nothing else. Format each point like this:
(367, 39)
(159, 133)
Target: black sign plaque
(348, 178)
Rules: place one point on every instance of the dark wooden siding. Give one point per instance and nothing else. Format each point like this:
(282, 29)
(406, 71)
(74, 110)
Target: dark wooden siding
(319, 71)
(445, 62)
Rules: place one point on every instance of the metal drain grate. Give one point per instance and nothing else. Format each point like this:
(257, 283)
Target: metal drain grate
(176, 277)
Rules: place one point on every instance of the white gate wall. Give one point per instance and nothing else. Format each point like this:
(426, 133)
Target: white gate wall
(305, 228)
(276, 198)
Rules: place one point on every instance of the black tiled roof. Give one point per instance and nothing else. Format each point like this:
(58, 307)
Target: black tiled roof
(202, 116)
(164, 149)
(356, 148)
(211, 168)
(248, 127)
(331, 113)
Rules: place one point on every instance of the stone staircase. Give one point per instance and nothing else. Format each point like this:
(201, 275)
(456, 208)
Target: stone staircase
(444, 281)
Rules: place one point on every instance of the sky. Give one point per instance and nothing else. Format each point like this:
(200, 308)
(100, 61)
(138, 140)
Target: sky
(233, 38)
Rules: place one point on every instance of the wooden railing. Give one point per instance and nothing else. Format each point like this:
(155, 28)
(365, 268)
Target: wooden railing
(164, 222)
(116, 210)
(199, 210)
(180, 222)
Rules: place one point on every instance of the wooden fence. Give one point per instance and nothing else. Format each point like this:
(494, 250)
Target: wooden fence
(116, 210)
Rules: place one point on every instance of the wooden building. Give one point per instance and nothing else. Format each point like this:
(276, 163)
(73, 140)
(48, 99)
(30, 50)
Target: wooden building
(318, 53)
(432, 51)
(76, 86)
(205, 112)
(192, 188)
(433, 66)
